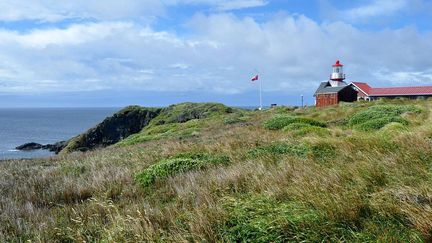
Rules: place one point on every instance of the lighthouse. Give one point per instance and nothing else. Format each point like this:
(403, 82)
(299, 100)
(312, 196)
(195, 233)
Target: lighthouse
(335, 90)
(337, 77)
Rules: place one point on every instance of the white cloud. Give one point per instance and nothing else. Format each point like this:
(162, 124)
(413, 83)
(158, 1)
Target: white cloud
(377, 8)
(222, 51)
(145, 10)
(405, 77)
(222, 5)
(73, 35)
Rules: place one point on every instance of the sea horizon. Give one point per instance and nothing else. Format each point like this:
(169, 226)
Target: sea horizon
(54, 124)
(45, 126)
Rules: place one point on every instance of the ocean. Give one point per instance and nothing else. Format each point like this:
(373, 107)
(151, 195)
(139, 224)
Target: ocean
(44, 126)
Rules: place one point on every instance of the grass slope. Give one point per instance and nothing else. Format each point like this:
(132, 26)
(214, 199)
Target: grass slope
(180, 121)
(335, 174)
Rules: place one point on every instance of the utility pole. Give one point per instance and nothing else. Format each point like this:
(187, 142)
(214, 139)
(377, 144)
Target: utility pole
(302, 101)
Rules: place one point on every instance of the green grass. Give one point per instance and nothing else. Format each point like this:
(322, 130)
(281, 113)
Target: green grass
(178, 164)
(303, 129)
(263, 219)
(321, 151)
(299, 150)
(184, 112)
(224, 177)
(377, 117)
(183, 121)
(280, 121)
(170, 130)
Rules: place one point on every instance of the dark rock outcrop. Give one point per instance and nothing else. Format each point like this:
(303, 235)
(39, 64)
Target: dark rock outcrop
(122, 124)
(29, 146)
(131, 120)
(56, 147)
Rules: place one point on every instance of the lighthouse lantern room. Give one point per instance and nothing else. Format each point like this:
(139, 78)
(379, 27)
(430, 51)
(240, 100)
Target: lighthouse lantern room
(337, 77)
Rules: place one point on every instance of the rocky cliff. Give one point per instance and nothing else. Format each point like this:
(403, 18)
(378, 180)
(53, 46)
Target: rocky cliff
(129, 121)
(122, 124)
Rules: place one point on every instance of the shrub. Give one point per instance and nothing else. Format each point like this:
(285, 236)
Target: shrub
(320, 151)
(302, 129)
(376, 117)
(299, 150)
(280, 121)
(178, 164)
(379, 123)
(184, 112)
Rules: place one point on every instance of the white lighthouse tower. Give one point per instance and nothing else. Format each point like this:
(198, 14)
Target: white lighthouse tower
(337, 77)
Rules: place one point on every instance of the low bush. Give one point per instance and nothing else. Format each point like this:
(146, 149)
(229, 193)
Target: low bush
(299, 150)
(376, 124)
(302, 129)
(184, 112)
(178, 164)
(280, 121)
(376, 117)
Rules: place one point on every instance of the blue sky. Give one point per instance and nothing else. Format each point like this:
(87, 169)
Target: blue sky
(159, 52)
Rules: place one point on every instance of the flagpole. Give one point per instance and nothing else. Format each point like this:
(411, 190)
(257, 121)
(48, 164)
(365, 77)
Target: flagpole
(260, 88)
(260, 81)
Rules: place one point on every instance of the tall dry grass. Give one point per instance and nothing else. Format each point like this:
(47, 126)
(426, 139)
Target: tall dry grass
(349, 186)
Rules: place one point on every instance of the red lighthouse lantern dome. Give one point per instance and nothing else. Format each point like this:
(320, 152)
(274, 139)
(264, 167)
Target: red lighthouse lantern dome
(337, 77)
(338, 64)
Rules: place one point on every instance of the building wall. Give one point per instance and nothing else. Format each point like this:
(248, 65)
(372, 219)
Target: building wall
(347, 95)
(361, 95)
(323, 100)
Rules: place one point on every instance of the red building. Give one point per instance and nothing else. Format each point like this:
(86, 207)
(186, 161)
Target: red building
(366, 92)
(336, 90)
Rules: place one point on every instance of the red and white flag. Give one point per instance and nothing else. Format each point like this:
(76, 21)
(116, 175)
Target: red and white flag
(255, 78)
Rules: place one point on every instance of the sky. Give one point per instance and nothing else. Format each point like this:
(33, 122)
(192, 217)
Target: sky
(114, 53)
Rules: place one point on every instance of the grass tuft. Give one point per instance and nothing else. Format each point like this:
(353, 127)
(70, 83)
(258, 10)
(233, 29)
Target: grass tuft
(280, 121)
(299, 150)
(262, 219)
(178, 164)
(377, 117)
(302, 129)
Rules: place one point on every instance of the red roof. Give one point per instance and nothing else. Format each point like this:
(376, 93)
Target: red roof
(393, 91)
(363, 86)
(338, 64)
(419, 90)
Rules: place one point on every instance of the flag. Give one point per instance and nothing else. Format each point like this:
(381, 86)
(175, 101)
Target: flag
(255, 78)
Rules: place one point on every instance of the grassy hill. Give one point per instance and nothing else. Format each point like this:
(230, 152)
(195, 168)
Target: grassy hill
(357, 172)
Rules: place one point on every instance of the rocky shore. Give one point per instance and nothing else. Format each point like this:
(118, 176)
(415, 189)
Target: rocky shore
(128, 121)
(56, 147)
(122, 124)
